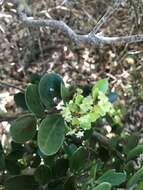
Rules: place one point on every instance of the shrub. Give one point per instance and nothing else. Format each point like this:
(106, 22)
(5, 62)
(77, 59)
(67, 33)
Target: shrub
(71, 138)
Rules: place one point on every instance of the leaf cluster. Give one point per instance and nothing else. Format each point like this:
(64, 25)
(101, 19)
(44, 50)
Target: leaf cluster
(71, 138)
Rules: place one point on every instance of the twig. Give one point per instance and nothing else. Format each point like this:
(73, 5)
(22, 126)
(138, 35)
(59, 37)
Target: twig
(64, 1)
(9, 117)
(1, 2)
(121, 57)
(7, 85)
(107, 15)
(90, 38)
(136, 12)
(3, 15)
(105, 141)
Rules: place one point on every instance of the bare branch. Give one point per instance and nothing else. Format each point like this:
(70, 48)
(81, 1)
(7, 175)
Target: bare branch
(105, 141)
(8, 85)
(90, 38)
(107, 15)
(8, 117)
(64, 2)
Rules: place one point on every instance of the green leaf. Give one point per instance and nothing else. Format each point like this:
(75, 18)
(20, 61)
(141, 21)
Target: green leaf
(65, 94)
(131, 141)
(85, 121)
(135, 152)
(51, 134)
(12, 166)
(78, 99)
(102, 186)
(72, 106)
(42, 174)
(93, 171)
(56, 184)
(48, 160)
(104, 104)
(19, 99)
(2, 158)
(21, 182)
(136, 178)
(100, 86)
(60, 167)
(49, 88)
(140, 186)
(35, 78)
(86, 105)
(95, 114)
(23, 128)
(78, 159)
(70, 149)
(70, 184)
(33, 100)
(113, 177)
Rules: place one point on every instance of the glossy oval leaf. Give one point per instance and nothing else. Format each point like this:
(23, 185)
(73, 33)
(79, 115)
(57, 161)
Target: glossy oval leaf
(60, 167)
(42, 174)
(135, 152)
(78, 159)
(51, 134)
(33, 100)
(102, 186)
(112, 177)
(69, 149)
(50, 87)
(19, 99)
(21, 182)
(136, 178)
(23, 128)
(131, 141)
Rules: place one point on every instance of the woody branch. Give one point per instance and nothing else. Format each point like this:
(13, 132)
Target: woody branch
(91, 38)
